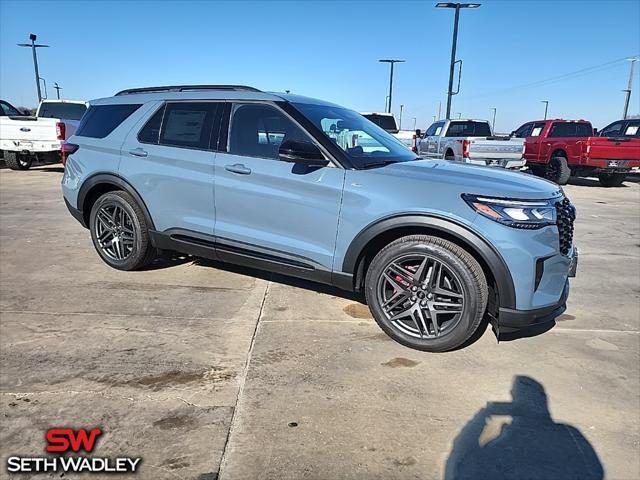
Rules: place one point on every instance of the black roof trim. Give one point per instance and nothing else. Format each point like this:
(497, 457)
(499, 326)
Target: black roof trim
(185, 88)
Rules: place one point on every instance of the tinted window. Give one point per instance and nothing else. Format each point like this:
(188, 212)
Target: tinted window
(258, 131)
(433, 129)
(469, 129)
(188, 124)
(524, 131)
(67, 111)
(150, 133)
(101, 120)
(537, 129)
(629, 128)
(632, 128)
(571, 130)
(6, 110)
(386, 122)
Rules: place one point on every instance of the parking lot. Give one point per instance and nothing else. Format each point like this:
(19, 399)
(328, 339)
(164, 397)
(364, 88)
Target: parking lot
(211, 371)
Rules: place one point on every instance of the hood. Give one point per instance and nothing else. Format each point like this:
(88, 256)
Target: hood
(474, 179)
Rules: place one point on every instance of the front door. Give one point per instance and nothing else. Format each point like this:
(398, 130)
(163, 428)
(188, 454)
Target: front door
(280, 212)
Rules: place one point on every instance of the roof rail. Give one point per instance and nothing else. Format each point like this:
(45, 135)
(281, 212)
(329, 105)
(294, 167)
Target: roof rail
(185, 88)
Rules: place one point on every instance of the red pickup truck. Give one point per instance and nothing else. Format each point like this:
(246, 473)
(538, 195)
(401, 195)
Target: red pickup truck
(558, 149)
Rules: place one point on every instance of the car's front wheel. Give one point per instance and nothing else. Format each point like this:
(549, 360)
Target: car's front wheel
(120, 232)
(17, 161)
(612, 179)
(426, 293)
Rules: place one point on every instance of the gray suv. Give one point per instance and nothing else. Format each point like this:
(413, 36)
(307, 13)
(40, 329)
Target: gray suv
(310, 189)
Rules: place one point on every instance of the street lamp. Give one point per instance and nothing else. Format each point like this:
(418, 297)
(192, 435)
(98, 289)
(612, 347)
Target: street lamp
(457, 7)
(546, 107)
(58, 88)
(33, 46)
(400, 122)
(493, 125)
(414, 122)
(627, 95)
(392, 62)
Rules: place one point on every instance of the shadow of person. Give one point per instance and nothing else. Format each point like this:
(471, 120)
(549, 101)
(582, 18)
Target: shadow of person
(520, 440)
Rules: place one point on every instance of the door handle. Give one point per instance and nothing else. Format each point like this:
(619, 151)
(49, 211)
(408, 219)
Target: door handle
(238, 168)
(138, 152)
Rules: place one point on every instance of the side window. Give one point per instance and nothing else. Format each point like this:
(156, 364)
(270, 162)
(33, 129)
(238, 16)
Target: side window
(150, 133)
(430, 130)
(537, 129)
(438, 130)
(257, 130)
(632, 128)
(584, 130)
(524, 131)
(455, 130)
(101, 120)
(188, 124)
(563, 130)
(613, 130)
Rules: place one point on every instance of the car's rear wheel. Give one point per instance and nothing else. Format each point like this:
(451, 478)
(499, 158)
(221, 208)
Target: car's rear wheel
(120, 232)
(17, 161)
(611, 179)
(557, 170)
(426, 293)
(449, 155)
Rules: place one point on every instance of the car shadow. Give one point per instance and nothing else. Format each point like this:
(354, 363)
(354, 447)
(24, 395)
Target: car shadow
(519, 439)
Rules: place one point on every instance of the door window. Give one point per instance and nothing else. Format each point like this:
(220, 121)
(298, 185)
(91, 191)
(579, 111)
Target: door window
(571, 129)
(188, 124)
(150, 133)
(258, 130)
(524, 131)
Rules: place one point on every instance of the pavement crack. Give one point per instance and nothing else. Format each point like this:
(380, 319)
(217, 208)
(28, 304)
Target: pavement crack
(242, 382)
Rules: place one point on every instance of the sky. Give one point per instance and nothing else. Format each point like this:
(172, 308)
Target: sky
(515, 53)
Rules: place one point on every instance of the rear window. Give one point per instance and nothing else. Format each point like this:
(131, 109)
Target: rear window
(67, 111)
(101, 120)
(571, 130)
(469, 129)
(386, 122)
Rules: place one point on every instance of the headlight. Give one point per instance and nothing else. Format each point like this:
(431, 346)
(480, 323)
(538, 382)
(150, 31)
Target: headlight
(514, 213)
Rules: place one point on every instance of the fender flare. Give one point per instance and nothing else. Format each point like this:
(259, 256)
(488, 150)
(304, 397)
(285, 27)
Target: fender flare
(480, 246)
(115, 180)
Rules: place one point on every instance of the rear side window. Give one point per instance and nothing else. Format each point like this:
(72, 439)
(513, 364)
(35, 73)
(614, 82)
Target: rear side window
(188, 124)
(150, 133)
(65, 111)
(386, 122)
(469, 129)
(101, 120)
(571, 130)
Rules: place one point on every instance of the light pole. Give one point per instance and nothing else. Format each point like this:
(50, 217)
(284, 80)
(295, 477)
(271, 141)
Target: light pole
(392, 62)
(400, 121)
(33, 46)
(58, 88)
(459, 115)
(627, 96)
(457, 7)
(546, 107)
(493, 125)
(414, 123)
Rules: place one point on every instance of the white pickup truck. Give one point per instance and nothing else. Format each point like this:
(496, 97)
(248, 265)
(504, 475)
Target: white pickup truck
(387, 122)
(24, 139)
(470, 141)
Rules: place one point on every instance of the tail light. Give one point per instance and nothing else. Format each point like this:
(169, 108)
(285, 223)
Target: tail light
(414, 143)
(61, 130)
(67, 149)
(465, 148)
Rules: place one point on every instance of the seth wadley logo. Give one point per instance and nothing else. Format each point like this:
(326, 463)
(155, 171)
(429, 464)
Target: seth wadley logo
(64, 440)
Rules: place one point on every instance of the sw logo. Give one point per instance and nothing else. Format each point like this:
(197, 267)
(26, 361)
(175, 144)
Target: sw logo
(63, 441)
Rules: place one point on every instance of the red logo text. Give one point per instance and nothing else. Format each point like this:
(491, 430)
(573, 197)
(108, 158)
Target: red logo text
(65, 439)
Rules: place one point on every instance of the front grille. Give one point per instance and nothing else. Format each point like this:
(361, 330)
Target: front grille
(566, 214)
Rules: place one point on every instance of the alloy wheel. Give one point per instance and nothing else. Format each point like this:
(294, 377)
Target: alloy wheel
(114, 231)
(421, 296)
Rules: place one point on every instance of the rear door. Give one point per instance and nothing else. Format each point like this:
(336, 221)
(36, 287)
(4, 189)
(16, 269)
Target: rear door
(169, 161)
(267, 209)
(570, 136)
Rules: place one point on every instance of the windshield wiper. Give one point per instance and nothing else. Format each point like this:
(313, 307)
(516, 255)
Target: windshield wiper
(381, 163)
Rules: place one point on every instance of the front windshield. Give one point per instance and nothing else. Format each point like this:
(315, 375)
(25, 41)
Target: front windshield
(365, 143)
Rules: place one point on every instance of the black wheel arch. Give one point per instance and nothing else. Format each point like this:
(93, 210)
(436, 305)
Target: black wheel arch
(377, 234)
(101, 183)
(558, 152)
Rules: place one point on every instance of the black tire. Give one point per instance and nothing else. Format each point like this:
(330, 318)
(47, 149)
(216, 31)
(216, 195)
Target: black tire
(449, 155)
(612, 179)
(558, 170)
(17, 161)
(141, 251)
(467, 277)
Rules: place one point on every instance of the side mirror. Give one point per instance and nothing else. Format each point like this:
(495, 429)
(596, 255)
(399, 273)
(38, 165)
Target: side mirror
(302, 152)
(418, 133)
(512, 134)
(595, 132)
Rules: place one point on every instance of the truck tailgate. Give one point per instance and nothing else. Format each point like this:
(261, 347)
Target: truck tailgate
(28, 128)
(496, 148)
(603, 148)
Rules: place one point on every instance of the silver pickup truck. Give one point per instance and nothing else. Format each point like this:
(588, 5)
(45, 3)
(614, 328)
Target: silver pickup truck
(470, 141)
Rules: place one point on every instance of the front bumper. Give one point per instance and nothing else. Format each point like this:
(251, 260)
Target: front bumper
(510, 320)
